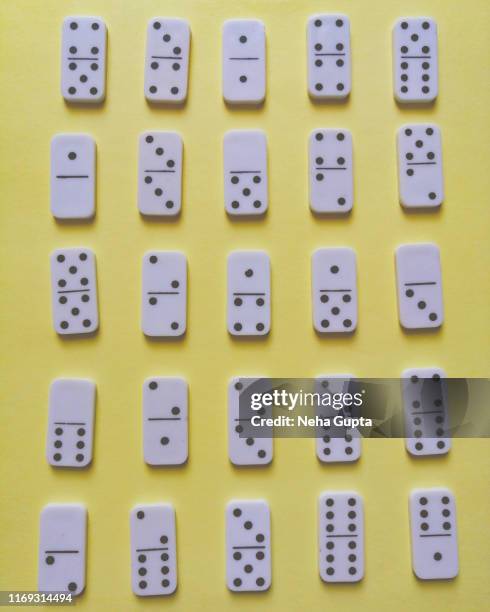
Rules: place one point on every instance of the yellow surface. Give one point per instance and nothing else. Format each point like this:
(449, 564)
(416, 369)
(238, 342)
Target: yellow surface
(119, 358)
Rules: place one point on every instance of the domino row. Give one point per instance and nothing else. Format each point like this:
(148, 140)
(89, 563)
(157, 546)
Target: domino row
(165, 417)
(63, 543)
(164, 291)
(245, 172)
(84, 50)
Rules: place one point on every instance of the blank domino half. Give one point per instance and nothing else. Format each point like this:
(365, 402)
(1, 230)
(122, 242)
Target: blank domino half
(248, 545)
(434, 534)
(419, 284)
(62, 548)
(245, 172)
(153, 550)
(71, 423)
(341, 536)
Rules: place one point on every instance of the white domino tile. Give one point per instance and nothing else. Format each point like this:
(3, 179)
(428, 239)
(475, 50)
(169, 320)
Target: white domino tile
(249, 293)
(419, 284)
(73, 176)
(335, 444)
(244, 61)
(434, 534)
(83, 59)
(334, 290)
(426, 411)
(167, 60)
(164, 294)
(165, 421)
(62, 548)
(329, 56)
(341, 536)
(160, 174)
(415, 60)
(248, 545)
(331, 171)
(245, 172)
(153, 550)
(245, 450)
(74, 291)
(420, 177)
(71, 423)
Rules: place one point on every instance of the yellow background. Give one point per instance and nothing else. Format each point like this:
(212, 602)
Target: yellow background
(119, 358)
